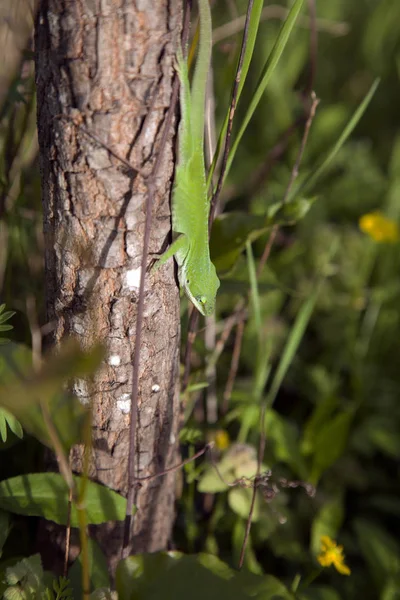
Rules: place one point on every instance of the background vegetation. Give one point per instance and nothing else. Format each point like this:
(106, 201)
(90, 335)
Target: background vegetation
(329, 287)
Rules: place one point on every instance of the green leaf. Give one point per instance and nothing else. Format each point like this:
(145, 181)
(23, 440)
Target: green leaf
(289, 213)
(7, 418)
(46, 495)
(229, 234)
(330, 444)
(382, 432)
(190, 435)
(250, 560)
(239, 500)
(321, 414)
(98, 570)
(102, 594)
(327, 522)
(240, 460)
(292, 344)
(285, 439)
(391, 589)
(232, 230)
(23, 391)
(322, 592)
(5, 315)
(25, 576)
(255, 297)
(170, 575)
(211, 483)
(380, 550)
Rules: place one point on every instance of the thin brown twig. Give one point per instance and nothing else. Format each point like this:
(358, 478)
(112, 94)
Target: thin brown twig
(208, 446)
(140, 309)
(228, 325)
(113, 153)
(295, 171)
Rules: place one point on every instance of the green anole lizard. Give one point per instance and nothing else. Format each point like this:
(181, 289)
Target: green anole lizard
(190, 203)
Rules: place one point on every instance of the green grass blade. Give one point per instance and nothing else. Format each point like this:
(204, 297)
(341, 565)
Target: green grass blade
(266, 74)
(292, 344)
(251, 40)
(309, 183)
(255, 297)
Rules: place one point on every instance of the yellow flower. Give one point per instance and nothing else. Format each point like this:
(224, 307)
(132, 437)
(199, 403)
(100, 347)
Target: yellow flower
(379, 227)
(221, 439)
(332, 554)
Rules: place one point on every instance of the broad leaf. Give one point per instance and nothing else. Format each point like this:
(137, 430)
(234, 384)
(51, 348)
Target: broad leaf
(174, 576)
(330, 444)
(46, 495)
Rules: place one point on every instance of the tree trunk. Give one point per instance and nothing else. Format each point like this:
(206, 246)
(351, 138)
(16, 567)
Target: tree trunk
(109, 64)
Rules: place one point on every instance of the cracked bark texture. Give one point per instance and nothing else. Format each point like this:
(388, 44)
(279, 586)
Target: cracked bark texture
(109, 65)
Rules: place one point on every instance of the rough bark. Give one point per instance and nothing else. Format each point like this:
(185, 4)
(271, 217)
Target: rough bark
(109, 63)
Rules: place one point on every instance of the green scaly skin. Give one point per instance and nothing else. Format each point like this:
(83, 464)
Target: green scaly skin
(190, 204)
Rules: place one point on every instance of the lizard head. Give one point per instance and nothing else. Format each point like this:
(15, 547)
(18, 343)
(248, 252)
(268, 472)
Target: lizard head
(202, 289)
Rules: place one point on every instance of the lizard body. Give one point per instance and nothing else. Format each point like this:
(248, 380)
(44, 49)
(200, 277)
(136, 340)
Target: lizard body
(190, 203)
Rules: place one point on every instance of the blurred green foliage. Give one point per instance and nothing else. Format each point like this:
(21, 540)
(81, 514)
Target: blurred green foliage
(333, 389)
(336, 418)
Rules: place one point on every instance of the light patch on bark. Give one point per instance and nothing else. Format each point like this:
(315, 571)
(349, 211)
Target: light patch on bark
(132, 278)
(124, 403)
(114, 360)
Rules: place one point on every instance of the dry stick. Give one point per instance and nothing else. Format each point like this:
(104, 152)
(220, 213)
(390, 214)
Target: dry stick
(193, 319)
(139, 320)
